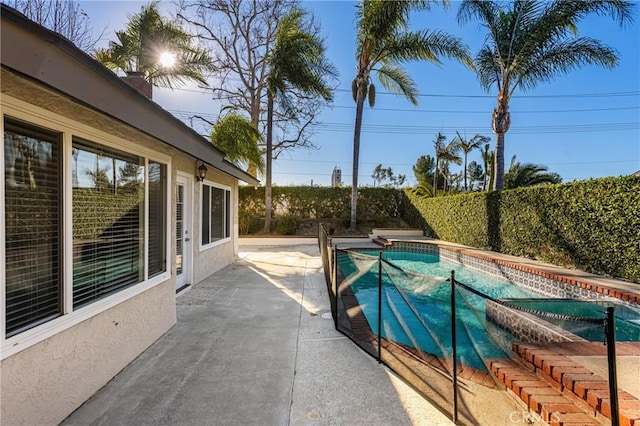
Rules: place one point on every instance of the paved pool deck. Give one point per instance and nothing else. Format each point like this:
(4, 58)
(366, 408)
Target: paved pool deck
(254, 346)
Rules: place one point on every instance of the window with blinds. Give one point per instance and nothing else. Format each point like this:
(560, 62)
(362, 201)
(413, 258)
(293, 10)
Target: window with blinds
(108, 219)
(118, 201)
(215, 214)
(33, 212)
(157, 218)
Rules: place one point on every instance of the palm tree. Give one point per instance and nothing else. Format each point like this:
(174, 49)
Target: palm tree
(467, 146)
(438, 146)
(447, 155)
(147, 37)
(236, 136)
(423, 170)
(528, 174)
(487, 160)
(383, 44)
(454, 181)
(476, 174)
(296, 63)
(531, 42)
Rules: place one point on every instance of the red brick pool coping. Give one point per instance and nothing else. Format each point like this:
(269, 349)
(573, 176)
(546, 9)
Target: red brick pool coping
(539, 396)
(590, 391)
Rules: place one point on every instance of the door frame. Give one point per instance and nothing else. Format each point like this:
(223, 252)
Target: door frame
(186, 179)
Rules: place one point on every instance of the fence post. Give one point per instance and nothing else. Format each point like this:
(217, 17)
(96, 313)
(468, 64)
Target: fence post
(379, 307)
(454, 347)
(610, 330)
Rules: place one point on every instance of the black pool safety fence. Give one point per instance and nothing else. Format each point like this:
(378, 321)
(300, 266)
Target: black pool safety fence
(441, 335)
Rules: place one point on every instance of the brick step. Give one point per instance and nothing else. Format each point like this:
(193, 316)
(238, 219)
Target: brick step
(551, 362)
(541, 398)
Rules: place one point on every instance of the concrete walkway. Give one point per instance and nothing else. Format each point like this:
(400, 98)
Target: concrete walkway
(255, 345)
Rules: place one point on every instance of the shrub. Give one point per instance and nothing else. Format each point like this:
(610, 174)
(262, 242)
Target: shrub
(318, 202)
(248, 223)
(593, 225)
(288, 225)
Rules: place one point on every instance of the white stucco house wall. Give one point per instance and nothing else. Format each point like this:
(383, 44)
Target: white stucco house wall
(102, 221)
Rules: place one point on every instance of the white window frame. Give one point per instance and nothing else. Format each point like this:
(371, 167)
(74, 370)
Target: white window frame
(225, 240)
(20, 110)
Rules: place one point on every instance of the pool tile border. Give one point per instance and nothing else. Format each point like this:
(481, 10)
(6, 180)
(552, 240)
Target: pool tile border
(539, 279)
(525, 326)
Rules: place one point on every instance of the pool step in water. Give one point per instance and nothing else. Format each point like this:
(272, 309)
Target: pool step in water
(586, 389)
(549, 403)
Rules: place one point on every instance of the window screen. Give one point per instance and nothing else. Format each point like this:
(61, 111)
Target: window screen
(32, 223)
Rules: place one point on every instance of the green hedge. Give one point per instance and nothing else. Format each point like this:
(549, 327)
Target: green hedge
(318, 202)
(593, 225)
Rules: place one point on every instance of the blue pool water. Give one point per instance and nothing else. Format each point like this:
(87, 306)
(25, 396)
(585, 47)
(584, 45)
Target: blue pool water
(429, 327)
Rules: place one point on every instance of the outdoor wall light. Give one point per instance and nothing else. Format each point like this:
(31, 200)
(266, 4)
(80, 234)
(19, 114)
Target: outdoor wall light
(201, 171)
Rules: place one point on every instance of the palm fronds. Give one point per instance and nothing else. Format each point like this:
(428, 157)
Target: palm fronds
(147, 36)
(530, 42)
(236, 136)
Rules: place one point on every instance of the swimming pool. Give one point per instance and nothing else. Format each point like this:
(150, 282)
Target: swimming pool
(416, 310)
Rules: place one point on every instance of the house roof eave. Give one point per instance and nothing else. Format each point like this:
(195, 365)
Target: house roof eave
(52, 60)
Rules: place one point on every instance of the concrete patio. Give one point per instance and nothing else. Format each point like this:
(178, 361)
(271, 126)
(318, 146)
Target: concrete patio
(255, 345)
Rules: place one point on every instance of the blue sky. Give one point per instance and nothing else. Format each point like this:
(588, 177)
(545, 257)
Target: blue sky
(582, 125)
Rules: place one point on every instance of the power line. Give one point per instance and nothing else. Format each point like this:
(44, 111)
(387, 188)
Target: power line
(352, 107)
(440, 95)
(570, 163)
(567, 95)
(336, 127)
(522, 130)
(365, 176)
(487, 111)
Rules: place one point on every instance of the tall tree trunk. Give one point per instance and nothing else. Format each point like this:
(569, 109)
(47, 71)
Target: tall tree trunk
(356, 155)
(444, 182)
(255, 111)
(486, 174)
(492, 174)
(252, 169)
(435, 177)
(485, 164)
(500, 122)
(498, 163)
(465, 172)
(268, 171)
